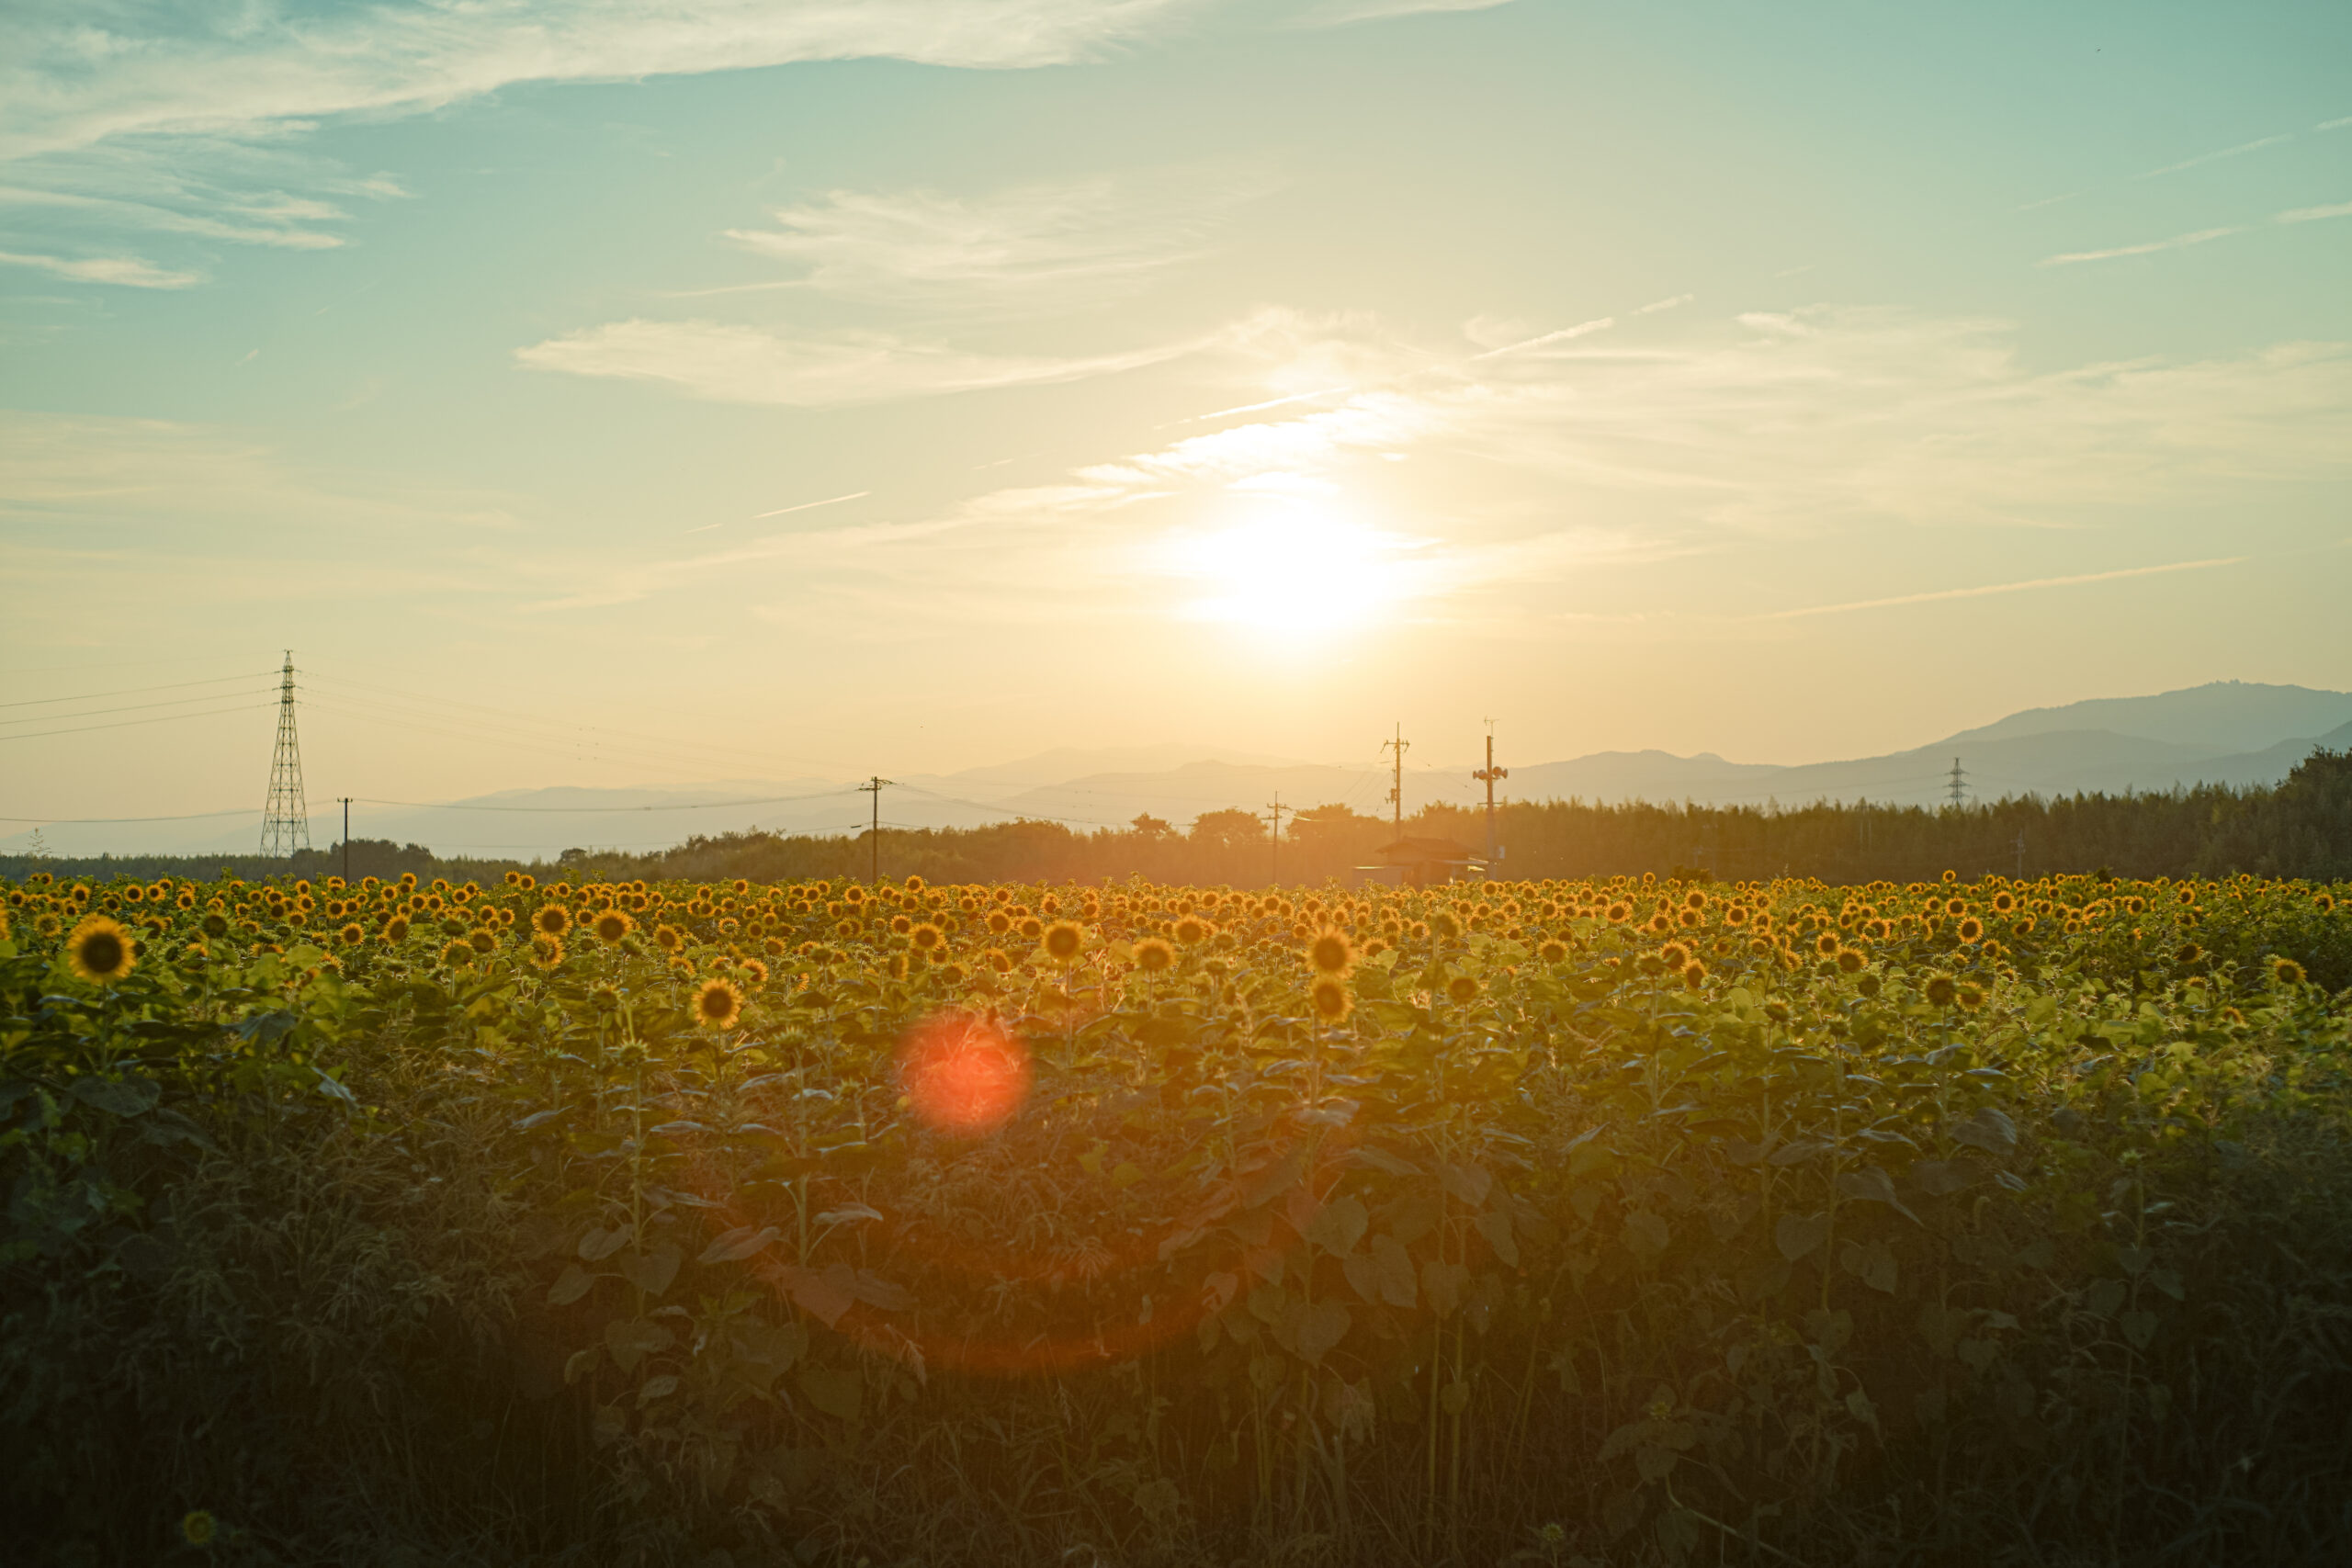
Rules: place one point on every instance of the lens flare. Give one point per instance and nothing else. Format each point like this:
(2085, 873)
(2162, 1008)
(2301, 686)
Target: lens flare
(962, 1076)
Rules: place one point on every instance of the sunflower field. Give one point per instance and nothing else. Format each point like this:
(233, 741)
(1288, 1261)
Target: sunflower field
(1605, 1222)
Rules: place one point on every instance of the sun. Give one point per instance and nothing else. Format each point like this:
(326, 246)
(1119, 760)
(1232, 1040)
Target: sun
(1293, 568)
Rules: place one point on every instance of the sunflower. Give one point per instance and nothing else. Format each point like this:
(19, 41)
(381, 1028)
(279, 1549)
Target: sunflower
(754, 971)
(547, 951)
(1446, 924)
(198, 1527)
(1553, 951)
(2286, 972)
(611, 925)
(1674, 955)
(351, 933)
(396, 930)
(668, 937)
(1971, 929)
(1852, 960)
(1063, 940)
(99, 951)
(1192, 930)
(1694, 974)
(1330, 954)
(1941, 991)
(1463, 990)
(999, 960)
(456, 952)
(1969, 994)
(1330, 999)
(551, 919)
(925, 937)
(481, 941)
(1154, 956)
(2189, 954)
(1032, 928)
(717, 1004)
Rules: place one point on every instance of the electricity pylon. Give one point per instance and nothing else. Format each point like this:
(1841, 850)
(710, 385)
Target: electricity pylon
(286, 822)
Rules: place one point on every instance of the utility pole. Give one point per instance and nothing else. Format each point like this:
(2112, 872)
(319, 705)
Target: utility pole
(1276, 809)
(346, 839)
(1957, 789)
(1397, 789)
(873, 837)
(1487, 775)
(286, 821)
(2020, 855)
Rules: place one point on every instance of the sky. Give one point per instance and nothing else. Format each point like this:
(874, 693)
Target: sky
(619, 394)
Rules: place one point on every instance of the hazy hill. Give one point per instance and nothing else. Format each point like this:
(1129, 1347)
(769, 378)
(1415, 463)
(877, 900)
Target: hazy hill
(2228, 733)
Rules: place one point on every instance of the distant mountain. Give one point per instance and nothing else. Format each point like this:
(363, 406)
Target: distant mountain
(2229, 715)
(2226, 733)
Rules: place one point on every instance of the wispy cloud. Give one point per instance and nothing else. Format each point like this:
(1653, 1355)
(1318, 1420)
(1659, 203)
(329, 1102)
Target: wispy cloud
(2026, 586)
(746, 365)
(1565, 334)
(128, 272)
(1346, 13)
(2313, 214)
(2203, 158)
(1069, 244)
(75, 77)
(2179, 242)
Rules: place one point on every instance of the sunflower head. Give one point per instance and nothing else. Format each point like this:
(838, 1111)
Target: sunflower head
(1941, 991)
(668, 937)
(1192, 930)
(1850, 960)
(604, 997)
(2189, 953)
(396, 929)
(611, 925)
(198, 1527)
(1446, 924)
(547, 951)
(717, 1004)
(2286, 972)
(551, 919)
(925, 937)
(1330, 953)
(1553, 951)
(1063, 940)
(1694, 974)
(456, 952)
(1154, 956)
(99, 951)
(1674, 955)
(481, 941)
(1969, 994)
(1972, 930)
(1331, 998)
(1462, 990)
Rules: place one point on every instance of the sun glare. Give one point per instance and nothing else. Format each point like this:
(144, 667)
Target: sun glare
(1292, 569)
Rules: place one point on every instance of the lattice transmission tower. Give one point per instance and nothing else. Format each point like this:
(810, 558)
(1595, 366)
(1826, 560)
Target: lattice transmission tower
(286, 824)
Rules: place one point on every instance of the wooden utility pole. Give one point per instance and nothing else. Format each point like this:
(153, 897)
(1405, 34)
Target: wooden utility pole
(873, 836)
(1396, 788)
(1487, 775)
(1275, 816)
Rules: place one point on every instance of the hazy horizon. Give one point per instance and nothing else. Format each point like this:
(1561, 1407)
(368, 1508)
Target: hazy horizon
(611, 396)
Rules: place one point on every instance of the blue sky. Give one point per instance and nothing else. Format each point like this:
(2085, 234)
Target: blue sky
(807, 390)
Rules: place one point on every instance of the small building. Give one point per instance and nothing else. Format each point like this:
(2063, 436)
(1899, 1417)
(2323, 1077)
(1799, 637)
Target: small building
(1416, 863)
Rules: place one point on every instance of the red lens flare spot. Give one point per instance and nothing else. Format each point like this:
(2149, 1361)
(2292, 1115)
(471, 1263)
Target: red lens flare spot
(962, 1076)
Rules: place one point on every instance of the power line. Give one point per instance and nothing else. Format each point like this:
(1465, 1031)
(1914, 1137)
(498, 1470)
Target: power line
(134, 691)
(131, 708)
(131, 723)
(605, 810)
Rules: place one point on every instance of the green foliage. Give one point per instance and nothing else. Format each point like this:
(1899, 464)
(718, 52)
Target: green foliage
(1895, 1231)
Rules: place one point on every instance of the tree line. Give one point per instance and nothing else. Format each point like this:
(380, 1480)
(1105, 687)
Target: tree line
(2299, 828)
